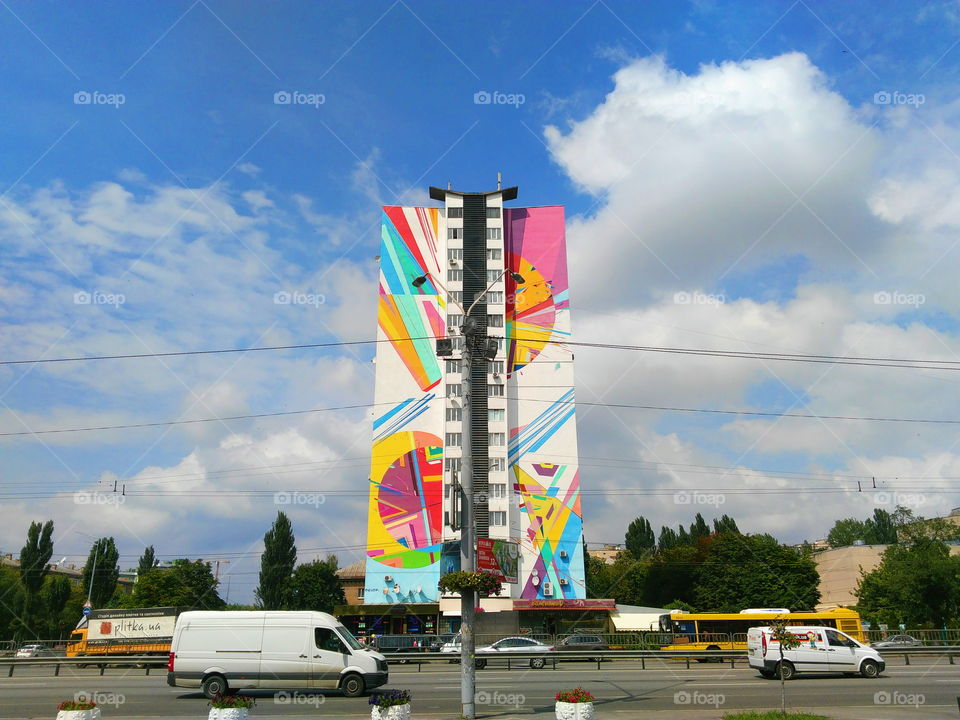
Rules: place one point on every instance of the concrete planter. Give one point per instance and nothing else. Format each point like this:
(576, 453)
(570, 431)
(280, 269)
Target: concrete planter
(93, 714)
(229, 714)
(395, 712)
(574, 711)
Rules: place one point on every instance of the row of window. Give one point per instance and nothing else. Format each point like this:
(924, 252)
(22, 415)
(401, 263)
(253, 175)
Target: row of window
(493, 366)
(494, 439)
(495, 491)
(455, 414)
(457, 212)
(455, 320)
(456, 390)
(492, 253)
(498, 518)
(456, 275)
(453, 464)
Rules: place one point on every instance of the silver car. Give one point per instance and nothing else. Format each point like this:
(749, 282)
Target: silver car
(897, 641)
(514, 645)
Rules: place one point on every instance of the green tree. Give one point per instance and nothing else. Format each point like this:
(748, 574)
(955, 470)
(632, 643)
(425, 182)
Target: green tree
(148, 561)
(846, 532)
(55, 595)
(670, 576)
(11, 596)
(640, 539)
(316, 586)
(667, 540)
(102, 567)
(916, 583)
(186, 583)
(34, 562)
(725, 524)
(276, 565)
(699, 528)
(683, 537)
(754, 571)
(594, 576)
(624, 580)
(787, 641)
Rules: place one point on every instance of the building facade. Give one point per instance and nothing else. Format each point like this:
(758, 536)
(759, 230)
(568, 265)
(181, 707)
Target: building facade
(510, 265)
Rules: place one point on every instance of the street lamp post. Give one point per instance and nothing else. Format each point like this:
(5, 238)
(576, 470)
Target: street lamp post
(477, 343)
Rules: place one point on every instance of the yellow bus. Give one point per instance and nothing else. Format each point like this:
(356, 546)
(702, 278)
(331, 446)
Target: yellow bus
(728, 631)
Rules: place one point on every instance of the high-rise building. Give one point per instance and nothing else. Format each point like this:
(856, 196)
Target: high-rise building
(510, 264)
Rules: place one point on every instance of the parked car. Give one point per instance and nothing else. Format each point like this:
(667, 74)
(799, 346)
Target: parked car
(897, 641)
(33, 650)
(441, 641)
(514, 645)
(581, 642)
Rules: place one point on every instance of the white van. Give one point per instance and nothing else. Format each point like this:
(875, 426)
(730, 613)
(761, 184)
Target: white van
(822, 649)
(238, 650)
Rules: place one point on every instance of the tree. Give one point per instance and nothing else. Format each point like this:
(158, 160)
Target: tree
(667, 540)
(881, 530)
(55, 595)
(787, 641)
(11, 596)
(34, 561)
(670, 576)
(640, 539)
(148, 561)
(754, 571)
(683, 537)
(699, 528)
(916, 584)
(103, 569)
(316, 586)
(624, 580)
(846, 532)
(186, 583)
(725, 524)
(276, 564)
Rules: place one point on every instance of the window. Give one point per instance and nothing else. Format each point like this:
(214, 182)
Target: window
(326, 639)
(453, 366)
(454, 275)
(493, 275)
(446, 518)
(496, 415)
(359, 592)
(498, 463)
(454, 439)
(455, 212)
(498, 518)
(498, 490)
(456, 296)
(496, 439)
(494, 390)
(451, 464)
(446, 491)
(454, 389)
(454, 414)
(454, 233)
(456, 254)
(494, 234)
(494, 253)
(493, 212)
(458, 343)
(454, 320)
(494, 298)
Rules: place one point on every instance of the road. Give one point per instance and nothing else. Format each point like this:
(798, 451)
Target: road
(926, 689)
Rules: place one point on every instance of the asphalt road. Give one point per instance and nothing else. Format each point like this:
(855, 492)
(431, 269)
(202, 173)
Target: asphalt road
(926, 689)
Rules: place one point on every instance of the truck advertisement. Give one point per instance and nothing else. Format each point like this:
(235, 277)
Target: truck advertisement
(127, 631)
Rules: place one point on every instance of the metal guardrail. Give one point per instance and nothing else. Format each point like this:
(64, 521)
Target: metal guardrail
(150, 662)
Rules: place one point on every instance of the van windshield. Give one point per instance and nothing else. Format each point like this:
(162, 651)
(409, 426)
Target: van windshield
(349, 639)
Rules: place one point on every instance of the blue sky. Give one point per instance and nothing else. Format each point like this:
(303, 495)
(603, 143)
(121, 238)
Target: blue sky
(778, 163)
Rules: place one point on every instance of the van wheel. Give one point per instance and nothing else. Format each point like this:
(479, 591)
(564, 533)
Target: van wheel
(537, 663)
(214, 685)
(786, 670)
(869, 669)
(353, 685)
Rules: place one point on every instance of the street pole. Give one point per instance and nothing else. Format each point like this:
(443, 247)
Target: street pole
(93, 573)
(468, 558)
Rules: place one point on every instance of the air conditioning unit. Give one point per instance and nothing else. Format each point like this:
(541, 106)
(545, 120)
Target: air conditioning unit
(388, 578)
(548, 589)
(563, 581)
(454, 262)
(563, 554)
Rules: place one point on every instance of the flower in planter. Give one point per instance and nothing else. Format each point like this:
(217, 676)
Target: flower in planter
(229, 702)
(485, 583)
(390, 698)
(76, 705)
(577, 695)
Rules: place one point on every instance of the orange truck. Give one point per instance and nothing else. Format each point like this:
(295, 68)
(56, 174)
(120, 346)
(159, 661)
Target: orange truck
(126, 631)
